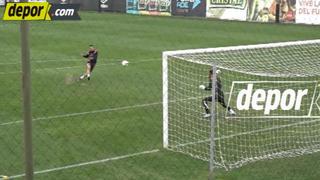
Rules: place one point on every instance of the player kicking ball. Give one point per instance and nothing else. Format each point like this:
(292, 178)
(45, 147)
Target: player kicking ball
(219, 95)
(92, 57)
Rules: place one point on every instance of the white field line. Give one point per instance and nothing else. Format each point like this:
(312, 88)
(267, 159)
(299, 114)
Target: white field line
(96, 111)
(88, 163)
(85, 113)
(71, 60)
(71, 67)
(96, 161)
(144, 152)
(147, 152)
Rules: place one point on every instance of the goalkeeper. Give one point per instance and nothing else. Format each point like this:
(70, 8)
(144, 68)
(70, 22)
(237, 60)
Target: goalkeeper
(92, 56)
(219, 95)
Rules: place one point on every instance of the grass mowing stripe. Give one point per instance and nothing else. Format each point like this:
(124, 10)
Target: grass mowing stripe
(88, 163)
(84, 113)
(97, 111)
(249, 132)
(70, 67)
(75, 60)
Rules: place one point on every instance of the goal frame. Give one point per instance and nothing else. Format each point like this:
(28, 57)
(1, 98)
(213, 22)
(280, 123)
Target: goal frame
(165, 83)
(166, 54)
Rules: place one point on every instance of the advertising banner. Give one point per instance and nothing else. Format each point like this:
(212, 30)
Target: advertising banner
(112, 5)
(149, 7)
(251, 10)
(132, 7)
(308, 11)
(265, 10)
(227, 9)
(105, 5)
(189, 7)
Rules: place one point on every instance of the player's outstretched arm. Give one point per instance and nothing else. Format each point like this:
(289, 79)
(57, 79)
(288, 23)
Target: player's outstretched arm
(85, 55)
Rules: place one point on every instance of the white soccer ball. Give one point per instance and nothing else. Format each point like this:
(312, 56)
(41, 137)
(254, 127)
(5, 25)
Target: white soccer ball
(202, 86)
(124, 63)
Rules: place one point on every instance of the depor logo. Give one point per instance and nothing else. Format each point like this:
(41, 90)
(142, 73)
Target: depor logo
(40, 11)
(273, 98)
(270, 100)
(26, 11)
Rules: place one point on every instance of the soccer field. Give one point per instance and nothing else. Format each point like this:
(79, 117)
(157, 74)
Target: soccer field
(111, 126)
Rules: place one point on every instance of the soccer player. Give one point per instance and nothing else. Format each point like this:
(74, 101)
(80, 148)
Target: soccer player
(219, 95)
(92, 57)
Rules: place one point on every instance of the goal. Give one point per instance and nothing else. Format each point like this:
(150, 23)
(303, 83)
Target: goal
(273, 90)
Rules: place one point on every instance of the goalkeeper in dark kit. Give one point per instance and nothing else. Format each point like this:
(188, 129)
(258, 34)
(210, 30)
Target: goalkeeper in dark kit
(219, 95)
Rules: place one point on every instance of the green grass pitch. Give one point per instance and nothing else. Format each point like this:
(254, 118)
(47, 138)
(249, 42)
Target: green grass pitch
(119, 112)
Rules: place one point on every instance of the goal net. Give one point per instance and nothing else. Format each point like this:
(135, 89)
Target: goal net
(266, 105)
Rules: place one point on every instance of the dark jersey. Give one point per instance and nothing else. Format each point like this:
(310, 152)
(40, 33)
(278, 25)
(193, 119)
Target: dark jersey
(218, 85)
(92, 56)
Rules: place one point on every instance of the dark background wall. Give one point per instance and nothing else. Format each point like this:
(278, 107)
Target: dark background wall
(93, 5)
(90, 5)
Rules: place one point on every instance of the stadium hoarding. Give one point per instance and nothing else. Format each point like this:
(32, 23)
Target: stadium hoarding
(251, 10)
(265, 11)
(131, 7)
(149, 7)
(105, 5)
(308, 11)
(112, 5)
(85, 5)
(189, 7)
(231, 9)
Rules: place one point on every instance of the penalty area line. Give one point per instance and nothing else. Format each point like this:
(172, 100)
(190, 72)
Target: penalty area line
(88, 163)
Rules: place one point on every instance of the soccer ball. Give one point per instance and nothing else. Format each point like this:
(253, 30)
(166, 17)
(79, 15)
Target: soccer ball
(124, 63)
(202, 86)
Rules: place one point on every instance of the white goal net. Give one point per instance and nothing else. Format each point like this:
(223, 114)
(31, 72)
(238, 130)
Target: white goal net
(266, 105)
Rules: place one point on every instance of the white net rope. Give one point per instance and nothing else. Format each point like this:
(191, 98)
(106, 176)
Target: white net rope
(278, 60)
(274, 92)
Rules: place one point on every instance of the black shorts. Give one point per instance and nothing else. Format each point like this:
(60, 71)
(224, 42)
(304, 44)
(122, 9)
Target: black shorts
(219, 95)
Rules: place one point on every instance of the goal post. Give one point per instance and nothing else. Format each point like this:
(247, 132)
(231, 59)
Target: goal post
(265, 104)
(165, 99)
